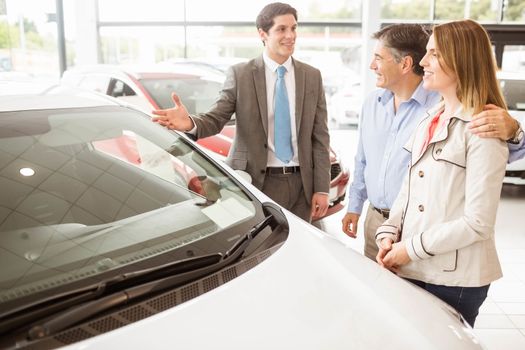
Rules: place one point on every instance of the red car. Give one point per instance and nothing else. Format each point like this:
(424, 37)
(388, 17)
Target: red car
(150, 88)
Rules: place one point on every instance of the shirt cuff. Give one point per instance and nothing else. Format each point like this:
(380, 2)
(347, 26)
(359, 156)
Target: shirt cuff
(193, 130)
(354, 207)
(387, 231)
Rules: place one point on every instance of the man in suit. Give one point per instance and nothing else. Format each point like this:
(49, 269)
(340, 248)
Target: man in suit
(300, 179)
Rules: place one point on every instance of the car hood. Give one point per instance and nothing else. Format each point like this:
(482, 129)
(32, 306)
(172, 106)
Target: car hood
(312, 293)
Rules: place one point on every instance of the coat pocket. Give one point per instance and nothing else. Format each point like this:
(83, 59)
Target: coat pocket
(238, 163)
(452, 153)
(447, 262)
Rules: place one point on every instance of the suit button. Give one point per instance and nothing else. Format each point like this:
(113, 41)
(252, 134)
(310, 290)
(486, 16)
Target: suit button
(421, 208)
(438, 151)
(265, 146)
(263, 171)
(421, 173)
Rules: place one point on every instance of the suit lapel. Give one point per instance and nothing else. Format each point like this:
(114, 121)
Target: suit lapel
(259, 80)
(299, 93)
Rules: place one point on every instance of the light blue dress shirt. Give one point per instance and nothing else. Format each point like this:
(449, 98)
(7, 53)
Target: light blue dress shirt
(517, 151)
(381, 162)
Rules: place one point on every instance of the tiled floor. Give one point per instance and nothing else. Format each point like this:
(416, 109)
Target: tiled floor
(501, 323)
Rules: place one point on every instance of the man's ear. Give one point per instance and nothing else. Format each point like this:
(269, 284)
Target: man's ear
(408, 62)
(263, 35)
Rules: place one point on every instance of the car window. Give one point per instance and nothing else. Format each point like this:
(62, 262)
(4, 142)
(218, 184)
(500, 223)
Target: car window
(86, 191)
(198, 95)
(514, 93)
(117, 88)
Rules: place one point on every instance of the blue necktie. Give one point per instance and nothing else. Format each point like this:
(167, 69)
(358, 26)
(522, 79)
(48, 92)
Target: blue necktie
(282, 128)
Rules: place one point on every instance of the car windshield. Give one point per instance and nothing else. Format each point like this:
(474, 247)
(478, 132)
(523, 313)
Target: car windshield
(198, 95)
(86, 191)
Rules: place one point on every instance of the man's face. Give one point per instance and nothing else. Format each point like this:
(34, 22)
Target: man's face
(280, 39)
(388, 71)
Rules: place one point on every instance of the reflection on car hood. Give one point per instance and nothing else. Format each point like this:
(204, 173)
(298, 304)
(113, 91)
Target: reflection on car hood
(351, 302)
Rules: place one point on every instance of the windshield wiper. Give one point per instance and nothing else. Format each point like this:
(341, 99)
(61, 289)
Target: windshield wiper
(94, 307)
(52, 304)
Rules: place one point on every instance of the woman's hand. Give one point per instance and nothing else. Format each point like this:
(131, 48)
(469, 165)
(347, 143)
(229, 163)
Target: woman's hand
(395, 257)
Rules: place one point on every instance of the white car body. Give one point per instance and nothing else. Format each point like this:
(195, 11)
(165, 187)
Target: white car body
(308, 291)
(313, 293)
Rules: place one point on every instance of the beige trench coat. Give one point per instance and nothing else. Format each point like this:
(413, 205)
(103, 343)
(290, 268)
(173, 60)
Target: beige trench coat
(446, 210)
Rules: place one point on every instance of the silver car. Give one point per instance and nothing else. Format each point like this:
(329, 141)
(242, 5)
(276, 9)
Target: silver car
(118, 233)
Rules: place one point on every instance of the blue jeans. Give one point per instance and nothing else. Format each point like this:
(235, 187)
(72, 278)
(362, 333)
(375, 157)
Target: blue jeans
(466, 300)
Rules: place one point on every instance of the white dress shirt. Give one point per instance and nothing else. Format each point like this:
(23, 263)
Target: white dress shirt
(270, 71)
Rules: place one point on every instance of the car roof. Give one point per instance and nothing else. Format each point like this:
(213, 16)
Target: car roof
(56, 97)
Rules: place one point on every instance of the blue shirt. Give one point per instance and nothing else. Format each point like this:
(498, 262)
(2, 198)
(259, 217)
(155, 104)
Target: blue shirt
(381, 162)
(517, 151)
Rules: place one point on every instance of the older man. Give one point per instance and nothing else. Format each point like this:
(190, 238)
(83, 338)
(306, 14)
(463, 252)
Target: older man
(388, 118)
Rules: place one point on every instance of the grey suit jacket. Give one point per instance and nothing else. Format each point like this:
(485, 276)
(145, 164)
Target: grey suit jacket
(244, 93)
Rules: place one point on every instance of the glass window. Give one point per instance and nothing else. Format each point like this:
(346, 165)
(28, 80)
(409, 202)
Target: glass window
(136, 45)
(104, 188)
(479, 10)
(513, 58)
(482, 10)
(153, 10)
(405, 9)
(198, 93)
(309, 10)
(514, 11)
(449, 9)
(218, 41)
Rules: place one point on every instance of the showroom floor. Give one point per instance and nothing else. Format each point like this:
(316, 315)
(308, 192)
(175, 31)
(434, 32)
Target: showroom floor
(501, 323)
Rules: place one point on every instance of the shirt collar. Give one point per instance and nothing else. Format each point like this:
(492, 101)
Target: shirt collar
(419, 95)
(272, 65)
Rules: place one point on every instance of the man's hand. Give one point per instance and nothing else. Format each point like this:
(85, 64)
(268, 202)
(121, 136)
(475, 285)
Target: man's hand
(350, 221)
(495, 122)
(319, 205)
(176, 118)
(396, 257)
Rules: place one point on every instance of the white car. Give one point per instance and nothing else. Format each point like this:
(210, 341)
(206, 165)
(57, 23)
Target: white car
(345, 105)
(118, 233)
(513, 86)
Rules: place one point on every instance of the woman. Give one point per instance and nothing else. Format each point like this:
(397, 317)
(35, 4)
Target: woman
(440, 234)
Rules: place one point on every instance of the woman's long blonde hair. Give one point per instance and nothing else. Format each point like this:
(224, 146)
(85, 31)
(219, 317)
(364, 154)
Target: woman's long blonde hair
(466, 52)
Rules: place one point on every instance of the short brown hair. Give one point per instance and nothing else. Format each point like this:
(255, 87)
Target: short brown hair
(265, 18)
(405, 40)
(465, 51)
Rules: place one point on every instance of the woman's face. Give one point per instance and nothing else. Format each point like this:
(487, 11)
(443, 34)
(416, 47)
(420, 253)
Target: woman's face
(437, 76)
